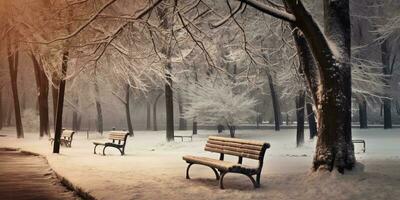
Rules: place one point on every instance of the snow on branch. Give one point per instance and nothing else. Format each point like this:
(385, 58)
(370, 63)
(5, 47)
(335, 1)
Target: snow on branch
(215, 102)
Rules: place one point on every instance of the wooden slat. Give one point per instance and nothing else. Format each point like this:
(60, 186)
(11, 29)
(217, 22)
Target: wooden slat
(239, 150)
(224, 151)
(67, 133)
(117, 135)
(238, 145)
(234, 140)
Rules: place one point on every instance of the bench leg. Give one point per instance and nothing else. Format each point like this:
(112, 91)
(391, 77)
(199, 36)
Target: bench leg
(187, 170)
(221, 180)
(216, 173)
(214, 170)
(94, 150)
(104, 150)
(258, 179)
(364, 147)
(256, 185)
(122, 151)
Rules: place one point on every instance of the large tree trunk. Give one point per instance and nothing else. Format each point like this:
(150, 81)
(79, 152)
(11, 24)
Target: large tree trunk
(99, 121)
(42, 85)
(362, 110)
(275, 102)
(300, 102)
(60, 105)
(312, 124)
(155, 112)
(127, 110)
(13, 68)
(334, 146)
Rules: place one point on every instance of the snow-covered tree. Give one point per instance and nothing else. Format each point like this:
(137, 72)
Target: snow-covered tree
(215, 102)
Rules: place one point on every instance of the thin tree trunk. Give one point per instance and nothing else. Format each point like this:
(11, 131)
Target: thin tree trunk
(312, 124)
(182, 121)
(148, 116)
(275, 103)
(127, 110)
(232, 130)
(166, 25)
(9, 116)
(363, 114)
(1, 108)
(169, 108)
(387, 107)
(75, 116)
(54, 93)
(13, 68)
(387, 114)
(42, 85)
(155, 112)
(60, 105)
(300, 102)
(194, 128)
(99, 121)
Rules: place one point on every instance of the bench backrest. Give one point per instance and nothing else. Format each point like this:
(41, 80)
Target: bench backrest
(67, 134)
(120, 136)
(237, 147)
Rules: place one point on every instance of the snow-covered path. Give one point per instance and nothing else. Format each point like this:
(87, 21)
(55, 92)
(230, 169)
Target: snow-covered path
(154, 169)
(28, 177)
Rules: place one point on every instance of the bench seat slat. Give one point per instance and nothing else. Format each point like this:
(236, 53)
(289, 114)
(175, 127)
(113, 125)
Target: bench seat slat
(220, 164)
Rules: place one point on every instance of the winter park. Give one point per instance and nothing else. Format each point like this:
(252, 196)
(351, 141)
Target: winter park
(200, 99)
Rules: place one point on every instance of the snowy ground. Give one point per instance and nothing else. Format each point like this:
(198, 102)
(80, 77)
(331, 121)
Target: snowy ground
(154, 169)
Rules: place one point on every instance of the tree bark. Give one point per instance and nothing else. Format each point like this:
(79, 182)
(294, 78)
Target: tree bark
(387, 103)
(312, 124)
(334, 148)
(13, 69)
(75, 116)
(169, 108)
(42, 85)
(60, 105)
(9, 116)
(232, 130)
(362, 105)
(54, 93)
(300, 102)
(182, 121)
(99, 121)
(1, 108)
(155, 112)
(127, 110)
(275, 102)
(148, 116)
(167, 24)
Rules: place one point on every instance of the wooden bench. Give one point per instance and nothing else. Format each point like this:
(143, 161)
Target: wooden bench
(66, 138)
(235, 147)
(118, 141)
(184, 136)
(361, 142)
